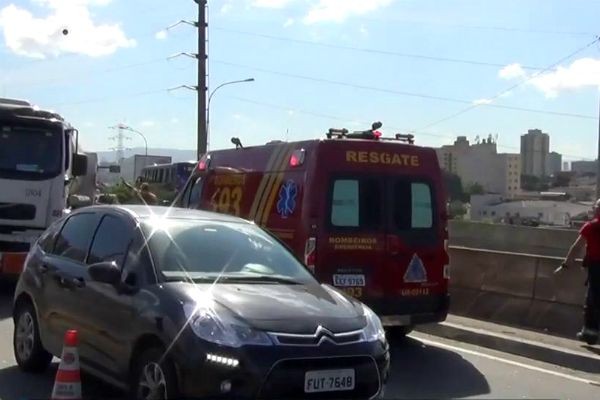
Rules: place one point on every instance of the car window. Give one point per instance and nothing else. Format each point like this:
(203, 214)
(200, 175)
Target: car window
(195, 195)
(47, 239)
(111, 241)
(137, 267)
(182, 247)
(356, 203)
(74, 239)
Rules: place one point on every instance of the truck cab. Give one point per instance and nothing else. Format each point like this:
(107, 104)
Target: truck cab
(39, 164)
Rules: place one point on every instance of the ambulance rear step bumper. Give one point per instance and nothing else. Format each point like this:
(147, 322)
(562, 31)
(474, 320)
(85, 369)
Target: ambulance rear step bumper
(413, 311)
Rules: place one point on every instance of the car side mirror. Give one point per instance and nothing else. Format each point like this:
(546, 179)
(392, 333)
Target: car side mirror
(80, 165)
(105, 272)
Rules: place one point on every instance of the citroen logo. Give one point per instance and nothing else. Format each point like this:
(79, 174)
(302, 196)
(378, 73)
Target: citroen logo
(323, 334)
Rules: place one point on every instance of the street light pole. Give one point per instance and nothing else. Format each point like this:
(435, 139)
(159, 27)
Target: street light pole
(210, 98)
(142, 135)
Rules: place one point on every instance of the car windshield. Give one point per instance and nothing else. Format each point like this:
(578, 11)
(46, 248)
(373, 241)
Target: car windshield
(202, 251)
(25, 151)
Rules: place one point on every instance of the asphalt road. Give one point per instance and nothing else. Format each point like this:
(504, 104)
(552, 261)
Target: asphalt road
(422, 367)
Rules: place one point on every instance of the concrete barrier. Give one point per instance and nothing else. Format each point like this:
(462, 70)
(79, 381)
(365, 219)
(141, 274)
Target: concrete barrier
(516, 289)
(520, 239)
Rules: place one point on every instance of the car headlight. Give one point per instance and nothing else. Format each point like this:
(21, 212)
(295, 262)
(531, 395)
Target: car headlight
(374, 330)
(223, 330)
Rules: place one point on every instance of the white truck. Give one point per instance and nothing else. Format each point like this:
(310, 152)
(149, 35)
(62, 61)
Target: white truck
(43, 174)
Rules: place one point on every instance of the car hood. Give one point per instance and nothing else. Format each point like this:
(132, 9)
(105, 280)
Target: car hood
(278, 308)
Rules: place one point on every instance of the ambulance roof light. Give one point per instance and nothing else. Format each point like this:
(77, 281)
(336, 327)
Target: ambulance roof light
(204, 162)
(408, 138)
(297, 158)
(237, 142)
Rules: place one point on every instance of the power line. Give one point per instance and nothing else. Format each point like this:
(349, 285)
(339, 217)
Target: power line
(87, 73)
(483, 27)
(401, 93)
(372, 51)
(366, 123)
(119, 97)
(550, 67)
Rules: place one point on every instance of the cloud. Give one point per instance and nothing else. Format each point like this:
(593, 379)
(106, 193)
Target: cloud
(289, 22)
(175, 120)
(512, 71)
(237, 116)
(225, 8)
(363, 30)
(148, 123)
(481, 102)
(277, 4)
(161, 35)
(581, 73)
(340, 10)
(36, 37)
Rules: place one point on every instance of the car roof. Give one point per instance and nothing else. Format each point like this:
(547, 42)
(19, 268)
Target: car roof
(141, 212)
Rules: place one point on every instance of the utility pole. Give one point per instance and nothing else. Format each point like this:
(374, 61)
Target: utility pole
(202, 84)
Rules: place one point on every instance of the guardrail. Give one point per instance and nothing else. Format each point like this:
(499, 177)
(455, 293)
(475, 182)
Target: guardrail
(517, 289)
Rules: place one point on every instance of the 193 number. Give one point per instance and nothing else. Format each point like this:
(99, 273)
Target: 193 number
(227, 200)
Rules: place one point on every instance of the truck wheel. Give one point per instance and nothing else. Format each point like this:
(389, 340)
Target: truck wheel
(27, 346)
(154, 376)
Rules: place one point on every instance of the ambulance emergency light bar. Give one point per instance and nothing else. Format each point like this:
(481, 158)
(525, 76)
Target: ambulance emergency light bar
(372, 134)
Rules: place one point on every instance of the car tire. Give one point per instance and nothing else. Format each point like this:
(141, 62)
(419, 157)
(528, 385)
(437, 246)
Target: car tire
(154, 371)
(398, 332)
(29, 352)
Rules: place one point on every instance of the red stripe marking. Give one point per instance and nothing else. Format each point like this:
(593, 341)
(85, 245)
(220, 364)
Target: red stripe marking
(68, 376)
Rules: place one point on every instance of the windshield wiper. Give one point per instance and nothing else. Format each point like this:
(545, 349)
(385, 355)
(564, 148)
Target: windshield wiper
(190, 279)
(257, 278)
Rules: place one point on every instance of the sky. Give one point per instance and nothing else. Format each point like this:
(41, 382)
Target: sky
(433, 68)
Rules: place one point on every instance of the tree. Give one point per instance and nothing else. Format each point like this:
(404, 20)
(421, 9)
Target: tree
(454, 186)
(474, 189)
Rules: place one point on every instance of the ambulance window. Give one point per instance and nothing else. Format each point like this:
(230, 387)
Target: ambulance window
(413, 206)
(196, 194)
(356, 203)
(344, 206)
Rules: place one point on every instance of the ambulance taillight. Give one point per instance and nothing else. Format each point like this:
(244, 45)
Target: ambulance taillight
(310, 253)
(297, 158)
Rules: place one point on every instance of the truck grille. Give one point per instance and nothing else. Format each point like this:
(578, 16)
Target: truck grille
(14, 247)
(19, 212)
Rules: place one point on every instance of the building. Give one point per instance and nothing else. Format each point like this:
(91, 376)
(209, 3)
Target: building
(554, 163)
(546, 212)
(480, 163)
(131, 167)
(566, 166)
(535, 150)
(584, 167)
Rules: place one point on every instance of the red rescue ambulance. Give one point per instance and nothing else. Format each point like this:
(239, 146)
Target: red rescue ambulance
(367, 214)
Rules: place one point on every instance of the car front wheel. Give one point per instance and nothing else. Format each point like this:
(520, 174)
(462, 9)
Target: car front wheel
(154, 377)
(27, 345)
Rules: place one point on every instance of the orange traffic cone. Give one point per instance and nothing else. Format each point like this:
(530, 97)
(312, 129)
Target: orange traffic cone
(67, 385)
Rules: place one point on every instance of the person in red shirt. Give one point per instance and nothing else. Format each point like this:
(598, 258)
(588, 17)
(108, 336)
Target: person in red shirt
(589, 236)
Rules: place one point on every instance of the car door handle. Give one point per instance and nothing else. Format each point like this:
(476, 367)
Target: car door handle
(78, 282)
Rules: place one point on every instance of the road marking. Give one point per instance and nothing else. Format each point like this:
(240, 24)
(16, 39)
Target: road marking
(506, 361)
